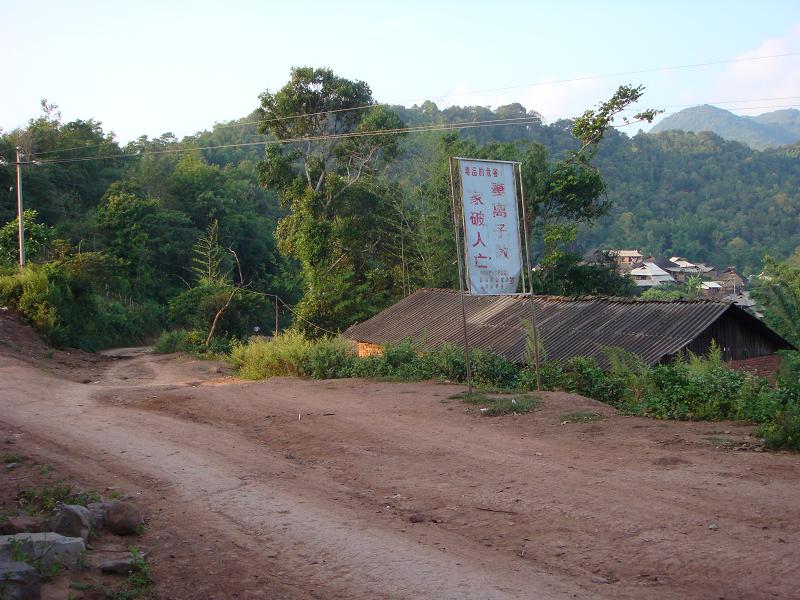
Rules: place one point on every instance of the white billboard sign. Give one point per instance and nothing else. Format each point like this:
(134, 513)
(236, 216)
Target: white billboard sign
(491, 226)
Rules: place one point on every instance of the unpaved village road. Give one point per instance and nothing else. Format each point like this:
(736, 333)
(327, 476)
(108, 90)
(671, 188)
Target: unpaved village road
(304, 489)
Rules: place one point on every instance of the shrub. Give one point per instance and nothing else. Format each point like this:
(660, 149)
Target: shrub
(195, 308)
(193, 342)
(260, 358)
(173, 341)
(552, 377)
(712, 393)
(784, 430)
(401, 358)
(398, 361)
(446, 362)
(490, 369)
(328, 358)
(60, 300)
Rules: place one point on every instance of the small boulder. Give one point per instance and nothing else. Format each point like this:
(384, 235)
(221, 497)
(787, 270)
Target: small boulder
(71, 520)
(19, 581)
(123, 565)
(123, 518)
(21, 524)
(97, 513)
(48, 547)
(417, 518)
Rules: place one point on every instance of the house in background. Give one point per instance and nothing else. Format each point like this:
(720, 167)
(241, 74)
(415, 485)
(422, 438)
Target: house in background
(711, 289)
(655, 330)
(627, 259)
(731, 281)
(649, 274)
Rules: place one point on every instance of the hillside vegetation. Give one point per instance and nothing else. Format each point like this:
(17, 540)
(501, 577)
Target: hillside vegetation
(209, 229)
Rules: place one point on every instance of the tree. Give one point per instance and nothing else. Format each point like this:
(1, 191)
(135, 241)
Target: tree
(328, 171)
(571, 192)
(208, 262)
(778, 289)
(37, 237)
(154, 242)
(219, 302)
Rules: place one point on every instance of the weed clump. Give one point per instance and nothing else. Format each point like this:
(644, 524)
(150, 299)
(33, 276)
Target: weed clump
(45, 499)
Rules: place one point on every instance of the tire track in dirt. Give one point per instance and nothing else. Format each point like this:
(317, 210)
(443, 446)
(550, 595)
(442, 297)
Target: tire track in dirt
(206, 470)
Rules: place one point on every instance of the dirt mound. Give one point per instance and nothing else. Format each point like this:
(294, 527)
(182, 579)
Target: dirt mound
(19, 341)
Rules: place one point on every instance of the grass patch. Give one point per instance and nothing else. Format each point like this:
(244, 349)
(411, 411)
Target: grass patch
(45, 499)
(581, 416)
(46, 572)
(139, 584)
(494, 404)
(13, 458)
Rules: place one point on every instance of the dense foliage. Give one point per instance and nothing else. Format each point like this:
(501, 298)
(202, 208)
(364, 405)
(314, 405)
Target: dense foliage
(343, 224)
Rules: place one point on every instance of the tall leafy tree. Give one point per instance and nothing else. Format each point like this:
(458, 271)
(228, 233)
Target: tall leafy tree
(154, 242)
(327, 167)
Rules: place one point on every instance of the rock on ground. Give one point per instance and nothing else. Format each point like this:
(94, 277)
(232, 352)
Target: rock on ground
(123, 518)
(97, 513)
(121, 566)
(19, 581)
(49, 548)
(71, 520)
(21, 524)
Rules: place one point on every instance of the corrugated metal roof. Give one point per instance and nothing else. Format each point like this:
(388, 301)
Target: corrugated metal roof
(570, 327)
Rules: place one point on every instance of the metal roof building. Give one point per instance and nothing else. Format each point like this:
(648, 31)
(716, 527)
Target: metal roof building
(655, 330)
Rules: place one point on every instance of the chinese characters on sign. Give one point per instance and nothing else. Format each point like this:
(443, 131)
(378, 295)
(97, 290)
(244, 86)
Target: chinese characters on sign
(491, 226)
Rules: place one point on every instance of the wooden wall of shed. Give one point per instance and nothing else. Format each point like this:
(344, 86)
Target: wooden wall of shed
(736, 338)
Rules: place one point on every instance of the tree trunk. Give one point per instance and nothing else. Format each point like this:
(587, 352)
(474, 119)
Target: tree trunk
(218, 316)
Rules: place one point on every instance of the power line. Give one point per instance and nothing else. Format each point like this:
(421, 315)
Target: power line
(536, 84)
(544, 117)
(622, 73)
(526, 120)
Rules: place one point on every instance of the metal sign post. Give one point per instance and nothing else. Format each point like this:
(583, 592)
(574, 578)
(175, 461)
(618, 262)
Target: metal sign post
(525, 227)
(467, 359)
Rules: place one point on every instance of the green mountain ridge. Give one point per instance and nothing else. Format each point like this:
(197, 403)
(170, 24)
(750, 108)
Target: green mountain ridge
(768, 130)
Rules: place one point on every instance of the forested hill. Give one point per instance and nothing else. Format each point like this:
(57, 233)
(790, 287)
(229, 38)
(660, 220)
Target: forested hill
(768, 130)
(673, 193)
(698, 195)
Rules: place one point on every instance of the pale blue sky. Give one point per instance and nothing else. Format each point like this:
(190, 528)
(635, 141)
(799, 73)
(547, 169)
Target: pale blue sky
(148, 67)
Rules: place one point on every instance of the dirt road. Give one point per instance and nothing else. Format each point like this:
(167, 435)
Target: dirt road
(301, 489)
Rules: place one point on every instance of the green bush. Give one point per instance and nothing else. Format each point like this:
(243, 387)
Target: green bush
(783, 432)
(682, 391)
(492, 370)
(284, 354)
(398, 361)
(61, 301)
(552, 377)
(446, 362)
(177, 340)
(401, 360)
(328, 358)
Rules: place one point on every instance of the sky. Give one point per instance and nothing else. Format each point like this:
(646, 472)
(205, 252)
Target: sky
(150, 67)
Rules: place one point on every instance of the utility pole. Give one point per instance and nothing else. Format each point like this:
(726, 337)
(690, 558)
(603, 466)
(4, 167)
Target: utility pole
(19, 211)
